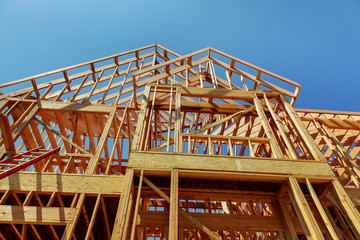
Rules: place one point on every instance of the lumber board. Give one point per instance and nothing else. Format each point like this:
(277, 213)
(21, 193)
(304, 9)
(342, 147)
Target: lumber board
(62, 183)
(303, 211)
(223, 93)
(228, 163)
(193, 106)
(74, 106)
(36, 215)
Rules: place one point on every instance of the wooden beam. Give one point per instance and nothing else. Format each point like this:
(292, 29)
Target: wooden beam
(36, 215)
(347, 206)
(6, 133)
(174, 206)
(62, 183)
(310, 143)
(319, 207)
(276, 151)
(303, 211)
(284, 213)
(283, 167)
(195, 106)
(74, 106)
(123, 207)
(136, 211)
(139, 129)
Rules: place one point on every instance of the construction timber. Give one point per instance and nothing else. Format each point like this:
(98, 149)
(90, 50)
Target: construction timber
(150, 144)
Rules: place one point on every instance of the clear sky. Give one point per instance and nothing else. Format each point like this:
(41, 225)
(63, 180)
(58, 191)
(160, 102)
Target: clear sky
(313, 42)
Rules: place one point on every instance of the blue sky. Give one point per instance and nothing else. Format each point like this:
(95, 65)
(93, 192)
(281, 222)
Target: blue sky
(316, 43)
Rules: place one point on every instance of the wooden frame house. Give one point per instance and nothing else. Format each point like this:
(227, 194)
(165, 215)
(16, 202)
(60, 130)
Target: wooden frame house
(151, 144)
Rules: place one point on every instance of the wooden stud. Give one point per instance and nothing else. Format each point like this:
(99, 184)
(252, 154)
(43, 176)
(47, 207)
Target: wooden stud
(303, 211)
(133, 228)
(174, 206)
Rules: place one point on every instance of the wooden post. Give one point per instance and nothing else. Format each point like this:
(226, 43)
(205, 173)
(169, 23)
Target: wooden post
(139, 129)
(177, 134)
(319, 207)
(347, 206)
(6, 133)
(174, 206)
(133, 228)
(290, 146)
(273, 142)
(310, 143)
(120, 220)
(303, 211)
(290, 230)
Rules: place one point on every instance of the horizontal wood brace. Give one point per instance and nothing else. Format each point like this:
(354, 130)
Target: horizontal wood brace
(234, 139)
(74, 106)
(223, 93)
(62, 183)
(71, 106)
(36, 215)
(236, 165)
(190, 106)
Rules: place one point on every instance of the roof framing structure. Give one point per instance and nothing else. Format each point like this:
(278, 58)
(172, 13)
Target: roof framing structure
(151, 144)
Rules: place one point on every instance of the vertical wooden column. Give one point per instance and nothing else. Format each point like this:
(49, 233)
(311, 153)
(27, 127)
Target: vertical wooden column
(299, 126)
(6, 133)
(137, 204)
(273, 142)
(339, 232)
(177, 134)
(303, 211)
(321, 210)
(290, 230)
(140, 123)
(347, 206)
(174, 206)
(124, 207)
(290, 146)
(348, 159)
(350, 170)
